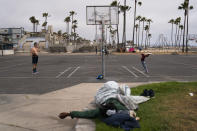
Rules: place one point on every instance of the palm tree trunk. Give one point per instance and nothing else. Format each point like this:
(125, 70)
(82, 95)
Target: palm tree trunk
(46, 21)
(74, 35)
(134, 21)
(142, 34)
(187, 39)
(110, 38)
(183, 46)
(71, 27)
(178, 36)
(180, 39)
(124, 27)
(117, 34)
(33, 27)
(136, 36)
(106, 35)
(146, 40)
(96, 33)
(172, 34)
(139, 35)
(67, 27)
(149, 30)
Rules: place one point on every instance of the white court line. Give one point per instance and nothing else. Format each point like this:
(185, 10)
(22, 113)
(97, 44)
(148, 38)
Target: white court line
(73, 72)
(140, 71)
(63, 72)
(129, 71)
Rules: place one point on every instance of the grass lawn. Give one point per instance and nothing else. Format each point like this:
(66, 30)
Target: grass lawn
(172, 109)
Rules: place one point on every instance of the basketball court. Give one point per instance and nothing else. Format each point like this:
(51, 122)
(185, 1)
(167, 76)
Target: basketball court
(58, 72)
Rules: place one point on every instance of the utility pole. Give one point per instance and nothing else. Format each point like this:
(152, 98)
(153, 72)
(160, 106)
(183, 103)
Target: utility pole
(103, 49)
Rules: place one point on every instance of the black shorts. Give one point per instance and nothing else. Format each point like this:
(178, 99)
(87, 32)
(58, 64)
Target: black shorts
(34, 59)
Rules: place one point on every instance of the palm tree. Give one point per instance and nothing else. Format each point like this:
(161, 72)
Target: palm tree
(112, 33)
(72, 13)
(148, 22)
(142, 20)
(149, 36)
(181, 28)
(177, 23)
(189, 8)
(59, 33)
(45, 15)
(139, 3)
(37, 23)
(124, 8)
(96, 33)
(136, 30)
(185, 6)
(172, 22)
(33, 21)
(74, 28)
(115, 3)
(146, 28)
(138, 18)
(65, 36)
(67, 20)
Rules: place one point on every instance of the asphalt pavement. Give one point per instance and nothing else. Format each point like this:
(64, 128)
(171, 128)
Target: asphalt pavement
(61, 71)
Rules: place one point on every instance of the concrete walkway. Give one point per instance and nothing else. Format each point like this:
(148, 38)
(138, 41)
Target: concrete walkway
(20, 112)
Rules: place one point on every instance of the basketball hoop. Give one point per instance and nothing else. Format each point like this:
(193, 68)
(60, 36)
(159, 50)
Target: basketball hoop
(95, 15)
(102, 15)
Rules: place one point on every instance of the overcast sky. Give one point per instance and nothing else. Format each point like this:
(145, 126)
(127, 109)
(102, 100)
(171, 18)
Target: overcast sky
(16, 13)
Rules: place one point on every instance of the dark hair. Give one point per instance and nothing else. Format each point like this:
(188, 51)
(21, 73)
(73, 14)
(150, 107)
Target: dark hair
(35, 43)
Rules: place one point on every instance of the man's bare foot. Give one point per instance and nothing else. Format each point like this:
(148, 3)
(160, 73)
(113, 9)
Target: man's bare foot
(64, 115)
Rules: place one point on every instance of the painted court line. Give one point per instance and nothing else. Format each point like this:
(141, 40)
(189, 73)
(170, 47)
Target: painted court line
(129, 71)
(140, 71)
(73, 72)
(63, 72)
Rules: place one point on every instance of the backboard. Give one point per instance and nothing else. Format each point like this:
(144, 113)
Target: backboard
(96, 14)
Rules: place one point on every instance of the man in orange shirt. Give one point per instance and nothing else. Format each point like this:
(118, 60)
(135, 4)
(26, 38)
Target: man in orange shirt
(34, 52)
